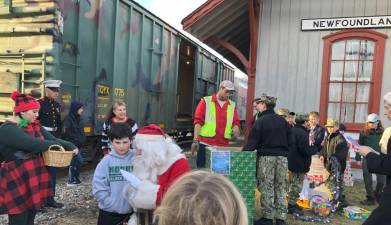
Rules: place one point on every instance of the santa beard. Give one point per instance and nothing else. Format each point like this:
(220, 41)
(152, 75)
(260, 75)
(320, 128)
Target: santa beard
(144, 171)
(155, 158)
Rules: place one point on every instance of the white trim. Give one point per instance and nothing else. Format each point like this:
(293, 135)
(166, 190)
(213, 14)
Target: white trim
(149, 137)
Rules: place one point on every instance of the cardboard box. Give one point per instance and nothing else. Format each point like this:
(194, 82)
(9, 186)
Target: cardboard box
(356, 213)
(239, 167)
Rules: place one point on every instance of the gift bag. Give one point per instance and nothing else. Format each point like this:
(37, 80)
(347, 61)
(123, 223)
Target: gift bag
(348, 176)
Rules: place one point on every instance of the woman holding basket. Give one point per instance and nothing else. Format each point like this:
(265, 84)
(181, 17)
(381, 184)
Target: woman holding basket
(24, 180)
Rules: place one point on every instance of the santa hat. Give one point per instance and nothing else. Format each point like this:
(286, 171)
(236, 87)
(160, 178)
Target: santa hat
(151, 132)
(24, 102)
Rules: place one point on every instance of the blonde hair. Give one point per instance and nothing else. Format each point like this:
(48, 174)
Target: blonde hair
(387, 98)
(111, 114)
(384, 140)
(202, 198)
(314, 113)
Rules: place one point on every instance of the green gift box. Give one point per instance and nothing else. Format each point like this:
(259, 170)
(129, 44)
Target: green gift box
(239, 167)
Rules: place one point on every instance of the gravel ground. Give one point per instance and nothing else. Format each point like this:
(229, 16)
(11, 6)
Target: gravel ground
(80, 205)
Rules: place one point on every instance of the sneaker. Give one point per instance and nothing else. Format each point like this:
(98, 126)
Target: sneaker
(368, 202)
(73, 183)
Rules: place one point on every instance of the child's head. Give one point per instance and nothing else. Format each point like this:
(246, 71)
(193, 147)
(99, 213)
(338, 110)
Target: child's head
(120, 135)
(314, 118)
(202, 198)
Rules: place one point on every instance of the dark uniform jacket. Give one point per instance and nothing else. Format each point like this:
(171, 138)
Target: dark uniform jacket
(319, 133)
(337, 146)
(299, 157)
(269, 135)
(381, 164)
(50, 115)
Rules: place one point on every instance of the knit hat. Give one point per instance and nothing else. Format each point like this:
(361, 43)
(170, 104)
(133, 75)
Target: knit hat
(151, 132)
(24, 102)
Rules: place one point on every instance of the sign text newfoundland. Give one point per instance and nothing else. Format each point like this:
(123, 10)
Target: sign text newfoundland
(346, 23)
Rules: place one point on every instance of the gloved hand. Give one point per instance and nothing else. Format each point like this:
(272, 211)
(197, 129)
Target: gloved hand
(76, 151)
(194, 147)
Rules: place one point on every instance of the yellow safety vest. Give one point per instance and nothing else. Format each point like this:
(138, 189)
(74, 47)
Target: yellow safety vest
(209, 127)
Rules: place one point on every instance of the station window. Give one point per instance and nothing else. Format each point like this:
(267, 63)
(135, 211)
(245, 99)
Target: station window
(352, 74)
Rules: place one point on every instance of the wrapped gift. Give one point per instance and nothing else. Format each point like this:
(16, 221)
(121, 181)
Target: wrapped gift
(356, 213)
(239, 167)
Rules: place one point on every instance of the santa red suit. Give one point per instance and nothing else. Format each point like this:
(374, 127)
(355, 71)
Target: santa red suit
(158, 163)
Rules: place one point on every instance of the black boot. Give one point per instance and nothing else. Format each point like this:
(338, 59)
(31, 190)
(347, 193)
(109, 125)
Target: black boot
(53, 204)
(368, 201)
(264, 221)
(280, 222)
(295, 210)
(378, 192)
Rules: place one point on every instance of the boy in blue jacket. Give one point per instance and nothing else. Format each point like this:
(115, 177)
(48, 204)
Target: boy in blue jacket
(108, 183)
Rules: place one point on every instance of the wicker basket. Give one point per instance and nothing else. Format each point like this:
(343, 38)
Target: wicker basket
(56, 156)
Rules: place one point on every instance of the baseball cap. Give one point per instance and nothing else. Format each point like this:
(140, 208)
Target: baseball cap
(332, 122)
(227, 84)
(372, 118)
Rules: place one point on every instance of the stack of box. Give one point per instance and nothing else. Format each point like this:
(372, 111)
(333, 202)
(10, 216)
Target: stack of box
(242, 172)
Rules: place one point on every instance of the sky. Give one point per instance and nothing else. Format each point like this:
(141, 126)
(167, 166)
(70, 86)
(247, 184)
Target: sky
(171, 11)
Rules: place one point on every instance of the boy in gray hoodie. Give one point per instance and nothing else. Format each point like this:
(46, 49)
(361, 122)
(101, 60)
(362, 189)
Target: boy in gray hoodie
(108, 183)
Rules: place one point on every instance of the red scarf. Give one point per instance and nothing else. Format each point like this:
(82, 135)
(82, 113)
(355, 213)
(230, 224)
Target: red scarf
(34, 130)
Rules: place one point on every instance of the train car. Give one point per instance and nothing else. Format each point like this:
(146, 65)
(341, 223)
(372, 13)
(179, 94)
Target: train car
(105, 51)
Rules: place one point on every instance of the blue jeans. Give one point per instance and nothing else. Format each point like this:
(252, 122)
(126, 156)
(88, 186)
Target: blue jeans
(73, 175)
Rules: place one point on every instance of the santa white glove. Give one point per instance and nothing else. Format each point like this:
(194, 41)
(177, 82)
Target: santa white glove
(145, 196)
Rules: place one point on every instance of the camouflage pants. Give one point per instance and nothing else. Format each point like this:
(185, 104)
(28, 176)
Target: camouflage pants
(273, 185)
(296, 184)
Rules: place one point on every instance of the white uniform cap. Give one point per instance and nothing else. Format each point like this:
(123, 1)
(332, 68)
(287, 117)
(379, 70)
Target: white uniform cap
(52, 83)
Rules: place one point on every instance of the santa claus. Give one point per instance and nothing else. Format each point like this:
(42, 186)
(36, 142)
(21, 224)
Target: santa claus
(158, 163)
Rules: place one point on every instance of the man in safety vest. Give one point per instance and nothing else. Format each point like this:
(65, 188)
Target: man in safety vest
(216, 121)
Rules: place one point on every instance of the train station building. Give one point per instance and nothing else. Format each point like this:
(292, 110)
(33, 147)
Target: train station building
(323, 55)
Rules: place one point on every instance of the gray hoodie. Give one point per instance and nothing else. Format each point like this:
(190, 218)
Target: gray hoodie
(108, 183)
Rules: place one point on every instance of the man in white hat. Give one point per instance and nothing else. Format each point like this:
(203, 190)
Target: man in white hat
(50, 118)
(216, 121)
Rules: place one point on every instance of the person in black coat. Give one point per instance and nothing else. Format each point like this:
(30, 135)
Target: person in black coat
(299, 161)
(270, 136)
(317, 132)
(380, 164)
(73, 132)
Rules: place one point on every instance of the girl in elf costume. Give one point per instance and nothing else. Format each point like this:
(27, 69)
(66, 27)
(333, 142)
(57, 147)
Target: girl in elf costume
(24, 180)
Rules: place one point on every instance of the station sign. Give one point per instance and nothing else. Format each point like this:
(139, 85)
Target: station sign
(346, 23)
